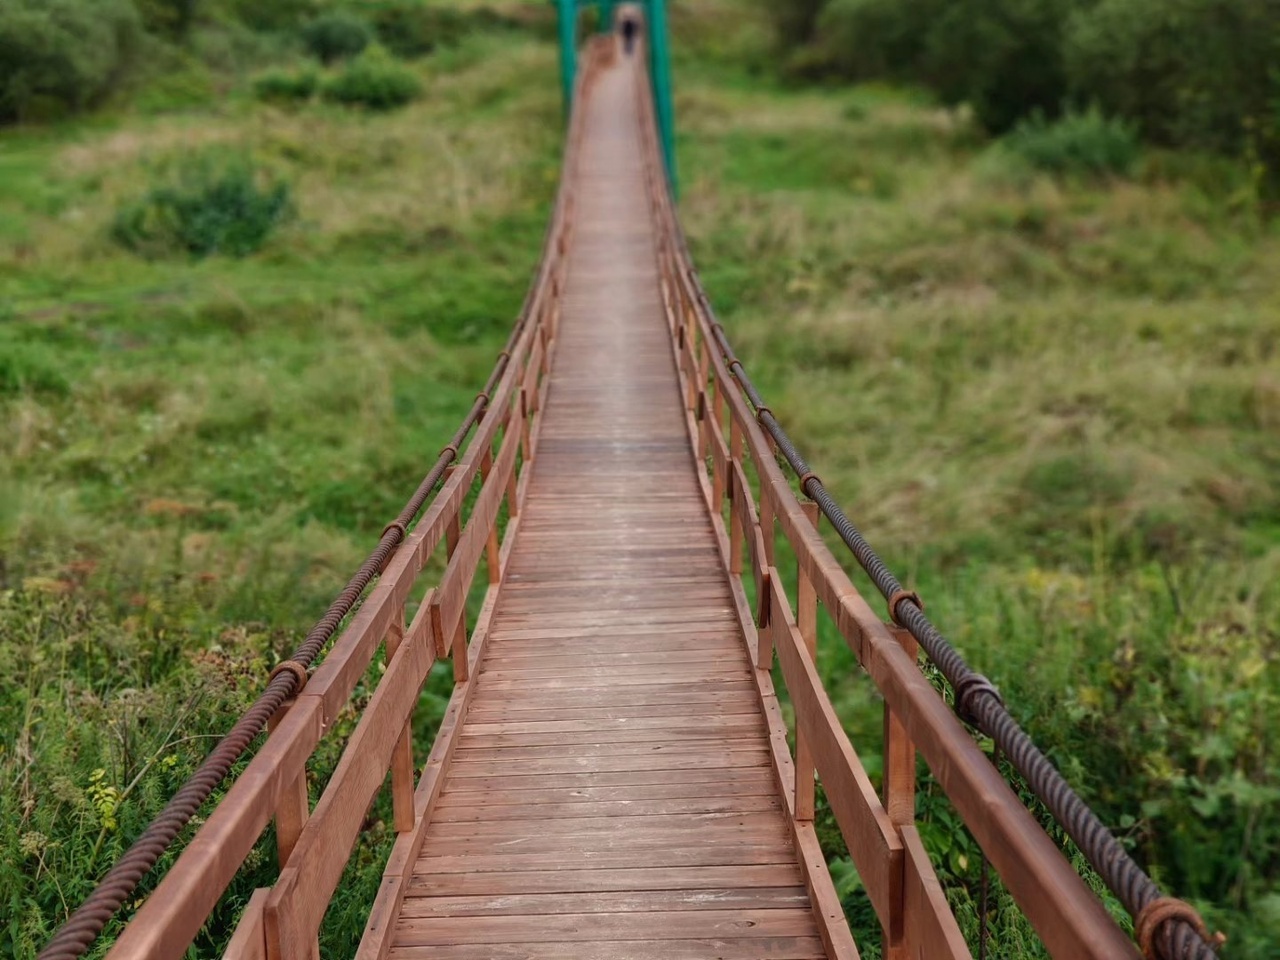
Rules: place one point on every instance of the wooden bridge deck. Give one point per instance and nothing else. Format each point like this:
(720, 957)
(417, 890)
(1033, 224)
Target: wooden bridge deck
(611, 793)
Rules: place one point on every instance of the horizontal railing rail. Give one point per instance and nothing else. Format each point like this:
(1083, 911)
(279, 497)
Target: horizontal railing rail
(313, 845)
(880, 835)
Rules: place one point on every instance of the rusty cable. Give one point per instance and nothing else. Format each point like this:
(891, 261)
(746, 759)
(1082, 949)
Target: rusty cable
(977, 701)
(84, 925)
(77, 934)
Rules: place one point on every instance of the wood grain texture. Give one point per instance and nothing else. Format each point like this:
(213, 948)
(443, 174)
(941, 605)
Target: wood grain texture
(611, 793)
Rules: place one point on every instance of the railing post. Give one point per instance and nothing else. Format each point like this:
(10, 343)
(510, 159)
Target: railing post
(899, 791)
(491, 547)
(295, 808)
(452, 534)
(735, 521)
(402, 756)
(807, 623)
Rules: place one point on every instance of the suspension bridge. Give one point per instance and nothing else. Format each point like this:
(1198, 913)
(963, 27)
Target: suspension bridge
(615, 777)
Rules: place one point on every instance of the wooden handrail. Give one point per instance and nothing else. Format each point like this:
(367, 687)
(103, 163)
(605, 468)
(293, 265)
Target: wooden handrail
(900, 882)
(283, 922)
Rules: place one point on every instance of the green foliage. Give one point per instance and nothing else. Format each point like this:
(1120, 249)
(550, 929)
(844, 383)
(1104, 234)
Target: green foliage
(276, 14)
(374, 80)
(1076, 143)
(414, 28)
(59, 56)
(286, 86)
(796, 22)
(1002, 57)
(172, 18)
(863, 39)
(29, 368)
(336, 36)
(1197, 73)
(210, 207)
(1187, 73)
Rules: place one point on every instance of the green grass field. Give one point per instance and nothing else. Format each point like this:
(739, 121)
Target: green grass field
(1053, 405)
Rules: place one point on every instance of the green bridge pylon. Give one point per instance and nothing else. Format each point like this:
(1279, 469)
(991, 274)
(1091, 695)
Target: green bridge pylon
(658, 43)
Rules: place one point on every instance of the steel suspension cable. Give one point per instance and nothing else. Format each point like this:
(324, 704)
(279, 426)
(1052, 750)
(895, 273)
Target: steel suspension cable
(84, 925)
(1171, 927)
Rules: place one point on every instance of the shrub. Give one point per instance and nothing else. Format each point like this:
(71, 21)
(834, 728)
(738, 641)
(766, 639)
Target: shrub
(795, 22)
(169, 17)
(62, 55)
(864, 39)
(286, 86)
(274, 14)
(336, 36)
(209, 208)
(1077, 143)
(1197, 73)
(414, 28)
(374, 80)
(1003, 57)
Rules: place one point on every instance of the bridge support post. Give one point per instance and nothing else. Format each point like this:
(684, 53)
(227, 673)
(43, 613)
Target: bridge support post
(568, 50)
(660, 71)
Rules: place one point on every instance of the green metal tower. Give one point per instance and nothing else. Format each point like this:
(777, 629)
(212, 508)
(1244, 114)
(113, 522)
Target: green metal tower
(658, 42)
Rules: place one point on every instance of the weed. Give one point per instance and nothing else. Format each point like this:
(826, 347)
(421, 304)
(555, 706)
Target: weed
(286, 86)
(373, 80)
(336, 36)
(1076, 143)
(211, 207)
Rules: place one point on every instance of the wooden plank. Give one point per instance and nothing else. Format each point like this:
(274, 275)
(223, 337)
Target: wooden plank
(375, 942)
(807, 624)
(872, 840)
(663, 855)
(301, 895)
(746, 781)
(172, 916)
(449, 602)
(402, 755)
(754, 755)
(632, 827)
(295, 803)
(754, 948)
(930, 931)
(569, 927)
(249, 942)
(604, 880)
(629, 901)
(1045, 886)
(456, 812)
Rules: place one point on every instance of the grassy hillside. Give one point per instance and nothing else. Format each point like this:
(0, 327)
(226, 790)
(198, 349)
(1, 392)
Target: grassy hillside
(195, 455)
(1053, 404)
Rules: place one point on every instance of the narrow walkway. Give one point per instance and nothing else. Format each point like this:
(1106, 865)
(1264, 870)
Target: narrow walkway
(611, 795)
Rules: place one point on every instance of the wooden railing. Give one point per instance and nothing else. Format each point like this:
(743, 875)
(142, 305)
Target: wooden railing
(314, 845)
(741, 477)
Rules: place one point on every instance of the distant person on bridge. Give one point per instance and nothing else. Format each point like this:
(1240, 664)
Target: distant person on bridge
(629, 29)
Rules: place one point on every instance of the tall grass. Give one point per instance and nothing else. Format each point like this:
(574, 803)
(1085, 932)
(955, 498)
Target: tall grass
(1050, 404)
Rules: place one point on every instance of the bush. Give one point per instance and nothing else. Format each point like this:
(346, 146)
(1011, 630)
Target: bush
(1197, 73)
(414, 28)
(1003, 57)
(286, 86)
(796, 22)
(1077, 143)
(62, 55)
(171, 18)
(374, 80)
(275, 14)
(866, 39)
(336, 36)
(209, 208)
